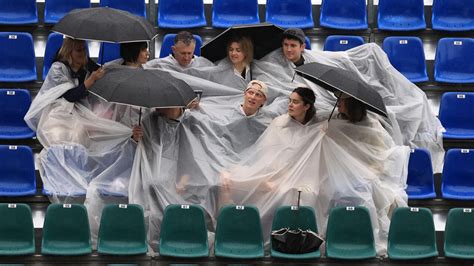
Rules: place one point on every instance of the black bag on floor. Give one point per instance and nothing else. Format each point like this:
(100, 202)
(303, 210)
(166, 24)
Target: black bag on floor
(295, 241)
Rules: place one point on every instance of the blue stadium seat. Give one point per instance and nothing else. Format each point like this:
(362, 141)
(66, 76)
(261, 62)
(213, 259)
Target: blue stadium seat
(307, 42)
(136, 7)
(18, 12)
(290, 13)
(226, 13)
(55, 40)
(420, 175)
(110, 51)
(337, 43)
(168, 41)
(406, 54)
(14, 104)
(401, 15)
(454, 61)
(459, 234)
(181, 14)
(458, 180)
(17, 171)
(17, 57)
(54, 10)
(343, 14)
(453, 15)
(456, 113)
(17, 234)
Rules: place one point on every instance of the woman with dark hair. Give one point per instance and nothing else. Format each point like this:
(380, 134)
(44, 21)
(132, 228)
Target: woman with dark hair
(134, 54)
(351, 109)
(301, 105)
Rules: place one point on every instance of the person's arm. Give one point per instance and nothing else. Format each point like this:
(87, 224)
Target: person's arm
(76, 94)
(137, 133)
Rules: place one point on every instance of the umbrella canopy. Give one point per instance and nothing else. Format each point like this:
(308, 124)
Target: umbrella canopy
(337, 79)
(265, 37)
(105, 24)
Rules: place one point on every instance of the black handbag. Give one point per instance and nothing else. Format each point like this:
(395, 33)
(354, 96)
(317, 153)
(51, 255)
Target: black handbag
(297, 241)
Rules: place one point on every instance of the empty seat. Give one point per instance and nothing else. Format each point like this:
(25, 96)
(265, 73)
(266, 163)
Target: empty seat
(456, 113)
(454, 61)
(108, 52)
(66, 230)
(302, 218)
(406, 54)
(453, 15)
(336, 43)
(168, 41)
(17, 235)
(343, 14)
(179, 14)
(17, 171)
(136, 7)
(239, 233)
(349, 234)
(122, 230)
(459, 234)
(183, 232)
(401, 15)
(412, 234)
(420, 175)
(54, 10)
(55, 40)
(17, 57)
(307, 42)
(458, 180)
(18, 12)
(14, 104)
(290, 13)
(227, 13)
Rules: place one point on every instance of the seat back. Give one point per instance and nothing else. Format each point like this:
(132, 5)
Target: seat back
(233, 12)
(336, 43)
(454, 61)
(108, 52)
(456, 110)
(420, 170)
(401, 15)
(17, 57)
(14, 104)
(290, 13)
(17, 234)
(181, 13)
(302, 218)
(459, 233)
(136, 7)
(17, 171)
(457, 170)
(168, 41)
(18, 12)
(453, 15)
(55, 40)
(54, 10)
(342, 14)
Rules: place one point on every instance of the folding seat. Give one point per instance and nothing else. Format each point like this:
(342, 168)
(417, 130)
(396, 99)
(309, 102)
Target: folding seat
(181, 14)
(453, 15)
(54, 10)
(412, 234)
(406, 54)
(459, 234)
(108, 52)
(18, 12)
(54, 42)
(290, 13)
(122, 230)
(17, 235)
(66, 230)
(457, 179)
(302, 218)
(14, 104)
(183, 232)
(343, 14)
(17, 57)
(239, 233)
(136, 7)
(336, 43)
(17, 171)
(168, 41)
(226, 13)
(350, 234)
(420, 175)
(401, 15)
(307, 42)
(456, 113)
(454, 61)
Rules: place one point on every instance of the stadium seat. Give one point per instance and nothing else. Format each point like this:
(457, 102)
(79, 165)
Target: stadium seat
(18, 12)
(55, 40)
(401, 15)
(239, 233)
(226, 13)
(343, 14)
(17, 235)
(54, 10)
(181, 14)
(457, 179)
(66, 230)
(349, 234)
(122, 230)
(456, 113)
(14, 104)
(136, 7)
(453, 15)
(454, 61)
(17, 171)
(302, 218)
(459, 234)
(307, 42)
(420, 175)
(168, 41)
(412, 234)
(290, 13)
(406, 54)
(108, 52)
(183, 232)
(336, 43)
(17, 57)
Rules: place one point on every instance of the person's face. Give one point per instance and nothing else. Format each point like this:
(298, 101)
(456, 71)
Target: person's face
(253, 98)
(296, 106)
(183, 53)
(292, 49)
(78, 54)
(143, 56)
(235, 53)
(342, 106)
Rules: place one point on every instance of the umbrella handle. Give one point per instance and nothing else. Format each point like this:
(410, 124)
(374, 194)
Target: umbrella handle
(292, 79)
(330, 116)
(140, 117)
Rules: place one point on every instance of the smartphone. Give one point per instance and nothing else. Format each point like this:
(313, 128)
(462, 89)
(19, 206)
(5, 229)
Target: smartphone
(198, 94)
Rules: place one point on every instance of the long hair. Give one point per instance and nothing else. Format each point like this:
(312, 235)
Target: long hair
(64, 54)
(131, 50)
(356, 110)
(246, 46)
(308, 97)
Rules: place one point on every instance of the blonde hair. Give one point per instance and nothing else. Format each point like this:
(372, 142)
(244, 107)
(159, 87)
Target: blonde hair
(65, 52)
(246, 46)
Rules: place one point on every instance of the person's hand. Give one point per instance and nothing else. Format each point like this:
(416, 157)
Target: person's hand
(137, 133)
(94, 76)
(194, 104)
